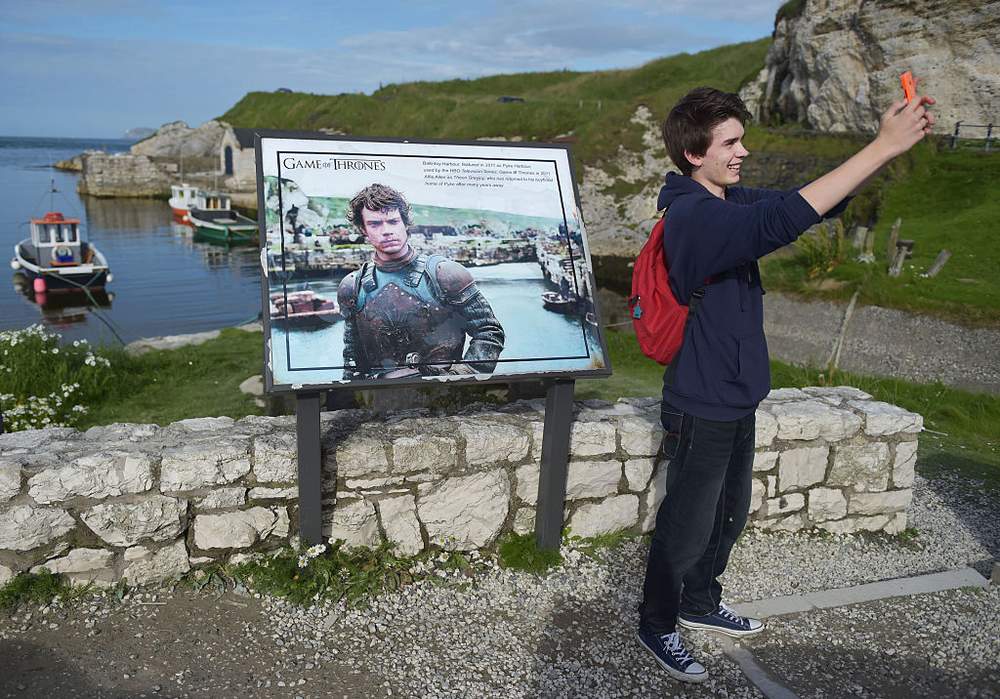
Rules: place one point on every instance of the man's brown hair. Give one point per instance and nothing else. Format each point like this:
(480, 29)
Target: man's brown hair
(377, 197)
(689, 125)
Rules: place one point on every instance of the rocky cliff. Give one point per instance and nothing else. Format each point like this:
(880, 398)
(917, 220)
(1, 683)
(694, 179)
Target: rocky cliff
(834, 65)
(178, 140)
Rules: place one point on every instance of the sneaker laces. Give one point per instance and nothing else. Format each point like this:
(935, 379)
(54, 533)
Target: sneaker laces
(728, 614)
(673, 644)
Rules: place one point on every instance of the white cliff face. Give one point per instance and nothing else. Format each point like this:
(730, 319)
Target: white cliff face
(836, 66)
(177, 139)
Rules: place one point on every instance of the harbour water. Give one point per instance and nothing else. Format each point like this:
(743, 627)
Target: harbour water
(164, 282)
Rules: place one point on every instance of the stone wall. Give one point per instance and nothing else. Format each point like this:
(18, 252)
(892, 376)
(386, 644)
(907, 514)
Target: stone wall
(146, 503)
(124, 175)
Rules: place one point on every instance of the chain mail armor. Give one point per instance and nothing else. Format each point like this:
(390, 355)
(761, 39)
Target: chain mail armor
(413, 319)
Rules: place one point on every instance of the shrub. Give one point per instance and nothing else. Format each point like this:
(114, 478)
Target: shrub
(822, 250)
(47, 384)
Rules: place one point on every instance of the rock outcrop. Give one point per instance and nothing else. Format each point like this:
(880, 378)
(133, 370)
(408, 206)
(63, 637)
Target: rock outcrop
(834, 65)
(178, 140)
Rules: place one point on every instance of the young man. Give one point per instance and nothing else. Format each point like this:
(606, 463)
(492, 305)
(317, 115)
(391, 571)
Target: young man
(408, 314)
(715, 233)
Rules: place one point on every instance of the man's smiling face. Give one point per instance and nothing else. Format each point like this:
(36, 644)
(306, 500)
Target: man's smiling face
(722, 162)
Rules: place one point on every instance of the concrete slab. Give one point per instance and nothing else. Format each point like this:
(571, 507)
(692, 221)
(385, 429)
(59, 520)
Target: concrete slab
(776, 606)
(761, 678)
(901, 587)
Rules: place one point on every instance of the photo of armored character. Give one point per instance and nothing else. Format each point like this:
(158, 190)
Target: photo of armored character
(408, 314)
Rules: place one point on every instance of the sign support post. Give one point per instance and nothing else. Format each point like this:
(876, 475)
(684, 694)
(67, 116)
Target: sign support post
(555, 464)
(310, 468)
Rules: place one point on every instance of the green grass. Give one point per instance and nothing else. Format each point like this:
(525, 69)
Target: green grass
(168, 385)
(946, 200)
(520, 552)
(970, 422)
(595, 107)
(36, 589)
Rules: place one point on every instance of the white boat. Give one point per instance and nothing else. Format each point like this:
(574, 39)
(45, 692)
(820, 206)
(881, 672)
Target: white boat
(183, 198)
(58, 256)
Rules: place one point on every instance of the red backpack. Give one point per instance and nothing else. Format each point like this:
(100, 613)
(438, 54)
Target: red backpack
(657, 316)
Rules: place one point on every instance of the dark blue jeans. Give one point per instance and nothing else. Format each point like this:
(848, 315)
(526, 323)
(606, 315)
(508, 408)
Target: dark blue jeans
(705, 509)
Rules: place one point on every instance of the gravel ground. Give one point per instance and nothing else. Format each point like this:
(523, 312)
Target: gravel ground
(937, 645)
(569, 634)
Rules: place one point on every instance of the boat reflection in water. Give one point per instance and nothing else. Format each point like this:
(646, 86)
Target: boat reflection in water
(64, 307)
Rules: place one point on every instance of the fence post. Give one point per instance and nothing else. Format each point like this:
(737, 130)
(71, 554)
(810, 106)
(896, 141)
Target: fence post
(989, 135)
(954, 136)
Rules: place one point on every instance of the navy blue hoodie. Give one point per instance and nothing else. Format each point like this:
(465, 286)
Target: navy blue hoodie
(722, 370)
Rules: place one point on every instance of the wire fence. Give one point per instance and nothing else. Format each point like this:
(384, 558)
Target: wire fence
(975, 136)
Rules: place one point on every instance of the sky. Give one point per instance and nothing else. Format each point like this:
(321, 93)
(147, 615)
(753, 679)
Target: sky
(96, 68)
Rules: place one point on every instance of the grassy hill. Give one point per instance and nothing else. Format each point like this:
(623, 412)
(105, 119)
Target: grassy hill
(594, 107)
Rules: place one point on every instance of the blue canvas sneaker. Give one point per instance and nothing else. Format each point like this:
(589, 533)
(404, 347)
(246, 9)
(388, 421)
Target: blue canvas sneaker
(724, 620)
(668, 649)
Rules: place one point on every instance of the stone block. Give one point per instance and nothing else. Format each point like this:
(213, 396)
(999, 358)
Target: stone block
(355, 522)
(400, 523)
(592, 479)
(783, 394)
(904, 464)
(813, 419)
(275, 458)
(145, 566)
(537, 429)
(236, 530)
(757, 489)
(203, 464)
(864, 467)
(6, 574)
(610, 515)
(637, 473)
(896, 525)
(837, 393)
(361, 454)
(274, 493)
(222, 499)
(524, 521)
(764, 460)
(26, 527)
(784, 504)
(801, 468)
(31, 440)
(527, 482)
(772, 486)
(791, 523)
(154, 517)
(493, 442)
(205, 424)
(102, 475)
(885, 418)
(120, 432)
(826, 504)
(466, 512)
(654, 496)
(850, 525)
(879, 503)
(10, 479)
(83, 566)
(766, 428)
(592, 439)
(640, 435)
(428, 452)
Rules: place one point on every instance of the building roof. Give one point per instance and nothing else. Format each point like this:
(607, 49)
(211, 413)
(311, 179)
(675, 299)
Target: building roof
(245, 136)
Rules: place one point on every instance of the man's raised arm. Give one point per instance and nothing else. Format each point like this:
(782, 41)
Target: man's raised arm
(902, 126)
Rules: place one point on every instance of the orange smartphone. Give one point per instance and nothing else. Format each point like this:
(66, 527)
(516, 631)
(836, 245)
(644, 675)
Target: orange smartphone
(909, 85)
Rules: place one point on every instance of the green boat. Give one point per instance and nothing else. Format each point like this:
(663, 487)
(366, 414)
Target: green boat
(218, 223)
